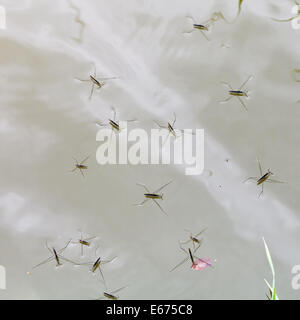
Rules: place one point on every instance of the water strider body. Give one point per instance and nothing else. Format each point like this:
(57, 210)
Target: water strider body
(239, 93)
(80, 166)
(112, 294)
(153, 195)
(200, 27)
(114, 125)
(263, 178)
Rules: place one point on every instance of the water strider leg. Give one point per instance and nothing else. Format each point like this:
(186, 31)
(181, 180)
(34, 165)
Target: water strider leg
(92, 90)
(162, 187)
(274, 181)
(259, 167)
(144, 186)
(204, 35)
(227, 85)
(226, 100)
(251, 178)
(244, 83)
(160, 207)
(174, 121)
(242, 103)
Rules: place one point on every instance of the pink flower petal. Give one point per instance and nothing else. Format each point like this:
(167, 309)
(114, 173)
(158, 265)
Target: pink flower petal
(201, 264)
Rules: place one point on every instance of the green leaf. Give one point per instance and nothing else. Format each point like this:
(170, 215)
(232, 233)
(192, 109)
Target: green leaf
(274, 296)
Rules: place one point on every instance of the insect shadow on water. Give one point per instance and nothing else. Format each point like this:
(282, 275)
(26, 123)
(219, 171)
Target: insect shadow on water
(113, 123)
(83, 242)
(197, 263)
(78, 20)
(239, 93)
(96, 265)
(171, 129)
(295, 73)
(96, 82)
(263, 178)
(55, 255)
(291, 18)
(111, 295)
(155, 195)
(80, 166)
(193, 238)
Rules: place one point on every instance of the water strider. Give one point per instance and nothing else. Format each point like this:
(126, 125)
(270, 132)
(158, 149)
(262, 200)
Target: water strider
(171, 129)
(113, 123)
(80, 166)
(83, 242)
(112, 294)
(263, 178)
(205, 26)
(95, 82)
(200, 27)
(194, 238)
(239, 93)
(96, 265)
(155, 195)
(197, 263)
(55, 255)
